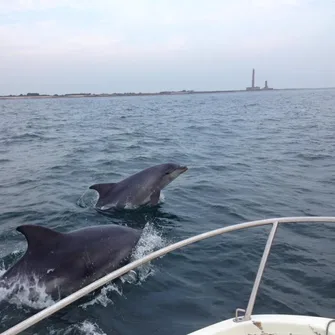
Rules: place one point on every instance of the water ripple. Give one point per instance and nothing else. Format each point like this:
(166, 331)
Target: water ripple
(250, 156)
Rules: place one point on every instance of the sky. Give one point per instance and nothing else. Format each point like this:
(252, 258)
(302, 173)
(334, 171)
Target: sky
(106, 46)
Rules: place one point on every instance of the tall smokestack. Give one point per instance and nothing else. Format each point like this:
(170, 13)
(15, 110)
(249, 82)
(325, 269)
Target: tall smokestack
(253, 78)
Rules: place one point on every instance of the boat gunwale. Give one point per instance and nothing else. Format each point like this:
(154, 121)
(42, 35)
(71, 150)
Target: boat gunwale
(265, 321)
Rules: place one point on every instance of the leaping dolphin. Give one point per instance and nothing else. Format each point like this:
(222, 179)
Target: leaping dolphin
(66, 262)
(139, 189)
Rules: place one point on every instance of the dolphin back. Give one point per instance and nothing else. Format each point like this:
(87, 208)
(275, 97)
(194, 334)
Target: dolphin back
(65, 262)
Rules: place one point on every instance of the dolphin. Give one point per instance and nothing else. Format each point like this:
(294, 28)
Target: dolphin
(142, 188)
(62, 263)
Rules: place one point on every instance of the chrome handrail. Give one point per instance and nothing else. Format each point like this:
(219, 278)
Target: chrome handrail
(260, 271)
(163, 251)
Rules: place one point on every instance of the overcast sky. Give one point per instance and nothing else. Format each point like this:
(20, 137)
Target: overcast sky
(66, 46)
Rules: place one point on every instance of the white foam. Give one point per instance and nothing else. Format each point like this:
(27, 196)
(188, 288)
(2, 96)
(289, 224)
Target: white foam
(26, 293)
(88, 199)
(129, 205)
(85, 328)
(2, 269)
(90, 328)
(162, 197)
(150, 240)
(103, 298)
(109, 206)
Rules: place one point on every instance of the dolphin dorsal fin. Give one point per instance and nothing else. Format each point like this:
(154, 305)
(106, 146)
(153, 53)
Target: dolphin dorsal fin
(102, 189)
(39, 237)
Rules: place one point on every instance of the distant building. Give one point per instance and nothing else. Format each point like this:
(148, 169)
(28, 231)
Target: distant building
(253, 87)
(266, 87)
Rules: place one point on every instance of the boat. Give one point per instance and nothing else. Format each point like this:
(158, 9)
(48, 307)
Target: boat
(244, 322)
(268, 324)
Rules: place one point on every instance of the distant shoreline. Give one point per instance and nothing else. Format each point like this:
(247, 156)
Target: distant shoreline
(111, 95)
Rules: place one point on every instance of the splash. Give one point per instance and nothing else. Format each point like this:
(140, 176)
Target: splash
(103, 298)
(90, 328)
(128, 205)
(161, 198)
(150, 240)
(88, 199)
(2, 268)
(25, 292)
(84, 328)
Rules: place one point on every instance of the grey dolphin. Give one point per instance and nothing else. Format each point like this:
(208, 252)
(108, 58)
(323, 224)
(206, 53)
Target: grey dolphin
(139, 189)
(65, 262)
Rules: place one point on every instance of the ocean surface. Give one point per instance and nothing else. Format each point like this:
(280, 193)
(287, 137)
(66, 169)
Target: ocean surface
(250, 156)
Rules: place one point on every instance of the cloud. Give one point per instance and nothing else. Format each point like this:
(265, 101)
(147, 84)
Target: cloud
(29, 5)
(163, 41)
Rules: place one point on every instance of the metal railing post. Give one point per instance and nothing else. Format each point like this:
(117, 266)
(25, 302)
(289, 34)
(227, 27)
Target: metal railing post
(259, 275)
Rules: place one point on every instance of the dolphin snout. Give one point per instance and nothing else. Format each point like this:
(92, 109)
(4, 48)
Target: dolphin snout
(183, 169)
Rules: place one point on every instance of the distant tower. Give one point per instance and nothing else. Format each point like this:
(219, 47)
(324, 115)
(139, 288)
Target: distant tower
(253, 87)
(266, 87)
(253, 78)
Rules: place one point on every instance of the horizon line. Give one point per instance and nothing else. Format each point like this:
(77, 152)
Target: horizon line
(180, 92)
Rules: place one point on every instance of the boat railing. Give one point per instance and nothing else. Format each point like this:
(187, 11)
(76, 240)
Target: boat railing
(246, 314)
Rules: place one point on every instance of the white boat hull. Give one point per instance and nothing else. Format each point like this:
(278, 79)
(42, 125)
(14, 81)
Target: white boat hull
(274, 324)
